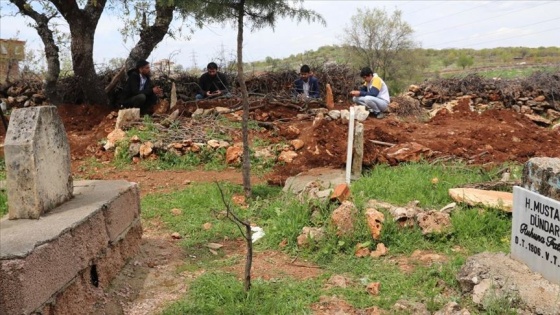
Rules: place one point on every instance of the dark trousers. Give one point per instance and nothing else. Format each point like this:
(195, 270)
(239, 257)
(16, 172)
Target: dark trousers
(140, 101)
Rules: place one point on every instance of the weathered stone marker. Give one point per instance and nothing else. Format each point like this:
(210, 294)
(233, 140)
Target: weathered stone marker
(37, 162)
(358, 154)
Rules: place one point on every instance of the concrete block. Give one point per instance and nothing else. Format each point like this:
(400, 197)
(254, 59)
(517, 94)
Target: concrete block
(121, 211)
(542, 175)
(28, 282)
(40, 258)
(118, 254)
(38, 171)
(79, 297)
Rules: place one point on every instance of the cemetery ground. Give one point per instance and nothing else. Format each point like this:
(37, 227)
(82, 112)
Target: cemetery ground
(192, 258)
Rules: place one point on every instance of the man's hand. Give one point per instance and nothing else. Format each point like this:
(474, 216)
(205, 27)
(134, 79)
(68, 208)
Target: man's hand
(355, 93)
(302, 97)
(157, 91)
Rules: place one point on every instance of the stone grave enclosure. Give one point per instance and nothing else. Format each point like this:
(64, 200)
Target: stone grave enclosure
(64, 240)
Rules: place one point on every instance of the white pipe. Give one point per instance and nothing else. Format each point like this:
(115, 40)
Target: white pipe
(350, 145)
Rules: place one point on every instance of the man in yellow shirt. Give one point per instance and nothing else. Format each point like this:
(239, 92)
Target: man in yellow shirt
(373, 94)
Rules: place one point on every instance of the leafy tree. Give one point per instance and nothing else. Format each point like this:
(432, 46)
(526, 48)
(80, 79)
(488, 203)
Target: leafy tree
(82, 18)
(449, 59)
(383, 42)
(465, 60)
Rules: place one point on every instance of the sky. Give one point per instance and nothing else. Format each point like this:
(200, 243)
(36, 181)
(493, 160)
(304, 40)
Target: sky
(436, 24)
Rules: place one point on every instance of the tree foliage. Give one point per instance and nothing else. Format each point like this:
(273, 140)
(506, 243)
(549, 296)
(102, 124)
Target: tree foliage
(257, 14)
(465, 60)
(384, 42)
(81, 17)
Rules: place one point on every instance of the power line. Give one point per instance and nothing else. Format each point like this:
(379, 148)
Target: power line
(482, 20)
(448, 15)
(517, 36)
(495, 33)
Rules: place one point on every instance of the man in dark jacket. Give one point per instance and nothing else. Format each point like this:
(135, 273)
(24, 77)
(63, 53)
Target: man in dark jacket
(307, 86)
(212, 83)
(139, 92)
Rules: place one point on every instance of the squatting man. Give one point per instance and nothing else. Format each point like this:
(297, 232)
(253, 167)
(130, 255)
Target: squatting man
(373, 94)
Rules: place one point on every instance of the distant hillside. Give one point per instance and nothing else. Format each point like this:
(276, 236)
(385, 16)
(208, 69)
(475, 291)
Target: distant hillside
(440, 61)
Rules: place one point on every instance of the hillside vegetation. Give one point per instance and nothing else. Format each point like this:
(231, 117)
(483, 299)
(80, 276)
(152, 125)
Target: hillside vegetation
(504, 62)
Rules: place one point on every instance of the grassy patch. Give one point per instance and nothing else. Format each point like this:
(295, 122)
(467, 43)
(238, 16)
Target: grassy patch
(282, 216)
(3, 203)
(220, 293)
(199, 204)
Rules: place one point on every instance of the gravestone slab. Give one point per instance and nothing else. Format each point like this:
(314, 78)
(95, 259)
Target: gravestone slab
(542, 174)
(37, 154)
(535, 234)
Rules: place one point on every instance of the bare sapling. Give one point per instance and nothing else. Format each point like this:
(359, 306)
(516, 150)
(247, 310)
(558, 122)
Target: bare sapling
(244, 227)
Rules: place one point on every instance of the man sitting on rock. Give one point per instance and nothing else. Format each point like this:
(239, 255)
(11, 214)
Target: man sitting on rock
(212, 83)
(307, 86)
(139, 91)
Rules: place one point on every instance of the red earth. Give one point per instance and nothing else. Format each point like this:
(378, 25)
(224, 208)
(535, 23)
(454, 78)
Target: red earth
(487, 138)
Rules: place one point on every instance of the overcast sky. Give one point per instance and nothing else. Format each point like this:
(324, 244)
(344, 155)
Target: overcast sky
(436, 24)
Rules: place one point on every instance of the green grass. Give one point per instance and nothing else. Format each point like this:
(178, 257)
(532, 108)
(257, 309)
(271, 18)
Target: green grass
(400, 185)
(199, 204)
(282, 217)
(221, 293)
(3, 194)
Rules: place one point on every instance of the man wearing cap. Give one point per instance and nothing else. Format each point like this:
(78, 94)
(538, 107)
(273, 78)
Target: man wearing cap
(373, 94)
(139, 91)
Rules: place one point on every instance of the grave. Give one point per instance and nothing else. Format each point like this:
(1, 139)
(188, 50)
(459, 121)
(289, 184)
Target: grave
(530, 275)
(535, 236)
(64, 240)
(37, 158)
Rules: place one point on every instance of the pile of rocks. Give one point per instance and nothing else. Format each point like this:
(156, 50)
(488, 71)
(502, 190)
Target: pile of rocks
(538, 94)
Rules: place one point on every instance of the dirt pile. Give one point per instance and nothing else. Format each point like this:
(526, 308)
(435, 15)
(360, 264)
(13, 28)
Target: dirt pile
(465, 128)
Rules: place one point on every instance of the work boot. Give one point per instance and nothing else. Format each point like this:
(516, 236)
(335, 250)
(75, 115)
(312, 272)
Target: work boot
(380, 115)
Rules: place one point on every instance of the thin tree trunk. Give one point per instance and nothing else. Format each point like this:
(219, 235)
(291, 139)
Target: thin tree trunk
(248, 258)
(151, 35)
(246, 168)
(51, 49)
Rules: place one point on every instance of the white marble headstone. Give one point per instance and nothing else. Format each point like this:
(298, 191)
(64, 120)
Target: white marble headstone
(535, 235)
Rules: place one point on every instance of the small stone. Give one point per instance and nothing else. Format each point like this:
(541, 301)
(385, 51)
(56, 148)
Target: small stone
(207, 226)
(361, 251)
(341, 192)
(380, 250)
(373, 288)
(176, 211)
(135, 139)
(187, 182)
(176, 236)
(297, 144)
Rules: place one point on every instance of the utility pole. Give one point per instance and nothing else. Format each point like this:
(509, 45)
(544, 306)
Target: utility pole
(193, 60)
